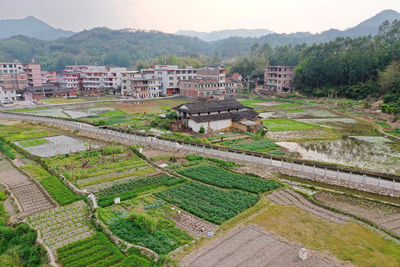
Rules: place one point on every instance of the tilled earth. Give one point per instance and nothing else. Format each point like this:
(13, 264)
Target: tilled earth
(384, 215)
(287, 197)
(31, 198)
(251, 246)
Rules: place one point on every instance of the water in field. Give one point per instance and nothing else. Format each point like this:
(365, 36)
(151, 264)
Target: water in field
(367, 152)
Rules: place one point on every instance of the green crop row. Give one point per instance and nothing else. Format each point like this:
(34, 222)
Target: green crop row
(58, 191)
(212, 204)
(260, 145)
(6, 150)
(131, 188)
(97, 251)
(211, 174)
(162, 240)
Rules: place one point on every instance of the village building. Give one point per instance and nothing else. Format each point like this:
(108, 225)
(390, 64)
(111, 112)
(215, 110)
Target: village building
(139, 85)
(217, 115)
(279, 78)
(46, 91)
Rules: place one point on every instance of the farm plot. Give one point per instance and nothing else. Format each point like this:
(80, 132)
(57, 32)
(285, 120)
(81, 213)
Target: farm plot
(131, 188)
(84, 112)
(140, 222)
(56, 145)
(94, 167)
(286, 125)
(214, 175)
(97, 250)
(29, 195)
(251, 246)
(63, 225)
(33, 142)
(23, 131)
(57, 190)
(286, 197)
(384, 215)
(212, 204)
(257, 146)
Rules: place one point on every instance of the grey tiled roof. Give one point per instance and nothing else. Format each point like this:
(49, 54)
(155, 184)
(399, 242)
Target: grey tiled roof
(211, 106)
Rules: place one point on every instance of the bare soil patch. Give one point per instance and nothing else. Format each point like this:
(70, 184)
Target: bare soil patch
(251, 246)
(192, 224)
(287, 197)
(384, 215)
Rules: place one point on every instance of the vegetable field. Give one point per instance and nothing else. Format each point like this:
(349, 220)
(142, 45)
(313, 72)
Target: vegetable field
(97, 251)
(33, 142)
(99, 166)
(214, 175)
(131, 188)
(212, 204)
(286, 125)
(141, 221)
(258, 146)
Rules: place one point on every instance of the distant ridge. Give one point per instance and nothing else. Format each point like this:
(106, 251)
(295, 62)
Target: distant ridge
(31, 27)
(223, 34)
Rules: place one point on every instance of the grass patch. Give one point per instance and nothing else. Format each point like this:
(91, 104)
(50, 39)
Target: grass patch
(350, 242)
(36, 171)
(286, 125)
(24, 110)
(257, 146)
(34, 142)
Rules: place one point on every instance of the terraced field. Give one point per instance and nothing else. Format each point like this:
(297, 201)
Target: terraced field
(287, 197)
(63, 225)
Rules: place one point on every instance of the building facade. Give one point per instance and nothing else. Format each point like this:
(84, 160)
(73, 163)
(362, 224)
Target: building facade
(218, 115)
(12, 78)
(34, 74)
(46, 91)
(279, 78)
(139, 85)
(49, 77)
(170, 75)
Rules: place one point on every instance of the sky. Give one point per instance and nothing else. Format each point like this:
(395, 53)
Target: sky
(281, 16)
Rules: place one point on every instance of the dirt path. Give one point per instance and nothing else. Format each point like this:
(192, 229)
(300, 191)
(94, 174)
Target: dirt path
(287, 197)
(29, 195)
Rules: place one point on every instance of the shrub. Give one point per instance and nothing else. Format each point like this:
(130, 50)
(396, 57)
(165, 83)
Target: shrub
(143, 220)
(193, 157)
(202, 130)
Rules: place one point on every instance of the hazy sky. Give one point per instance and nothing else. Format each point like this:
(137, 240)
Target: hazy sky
(201, 15)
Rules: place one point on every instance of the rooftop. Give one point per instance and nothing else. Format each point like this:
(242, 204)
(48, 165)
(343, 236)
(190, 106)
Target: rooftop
(210, 106)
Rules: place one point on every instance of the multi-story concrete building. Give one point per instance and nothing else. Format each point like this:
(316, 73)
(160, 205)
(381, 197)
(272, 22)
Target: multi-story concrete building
(34, 74)
(140, 85)
(170, 76)
(12, 78)
(210, 82)
(49, 77)
(68, 79)
(91, 80)
(279, 78)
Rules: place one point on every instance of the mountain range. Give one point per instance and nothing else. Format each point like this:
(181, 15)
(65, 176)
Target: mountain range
(31, 27)
(33, 39)
(223, 34)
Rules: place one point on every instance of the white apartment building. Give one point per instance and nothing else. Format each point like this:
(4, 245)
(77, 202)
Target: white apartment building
(68, 79)
(170, 76)
(140, 85)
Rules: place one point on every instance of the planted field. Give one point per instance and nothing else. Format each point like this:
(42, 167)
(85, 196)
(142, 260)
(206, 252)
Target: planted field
(33, 142)
(286, 125)
(211, 174)
(257, 146)
(131, 188)
(23, 131)
(96, 250)
(140, 222)
(212, 204)
(63, 225)
(99, 166)
(57, 190)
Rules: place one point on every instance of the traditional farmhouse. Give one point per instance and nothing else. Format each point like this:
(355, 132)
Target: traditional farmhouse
(46, 91)
(218, 115)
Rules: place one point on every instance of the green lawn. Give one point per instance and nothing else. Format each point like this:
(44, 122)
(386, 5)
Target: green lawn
(286, 125)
